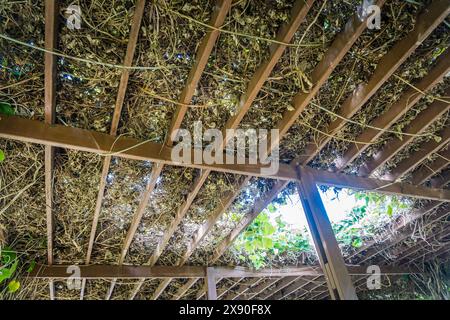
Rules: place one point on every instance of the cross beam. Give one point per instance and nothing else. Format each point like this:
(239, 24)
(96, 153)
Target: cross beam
(148, 272)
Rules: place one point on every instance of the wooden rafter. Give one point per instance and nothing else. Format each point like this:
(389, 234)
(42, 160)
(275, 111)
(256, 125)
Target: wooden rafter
(407, 100)
(434, 14)
(255, 291)
(242, 289)
(424, 173)
(280, 285)
(294, 287)
(416, 127)
(51, 19)
(424, 150)
(285, 34)
(128, 61)
(401, 231)
(340, 46)
(204, 51)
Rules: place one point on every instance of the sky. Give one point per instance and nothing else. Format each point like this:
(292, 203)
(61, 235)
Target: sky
(337, 209)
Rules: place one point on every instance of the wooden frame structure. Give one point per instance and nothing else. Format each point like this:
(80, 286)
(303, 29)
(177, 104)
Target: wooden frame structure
(332, 265)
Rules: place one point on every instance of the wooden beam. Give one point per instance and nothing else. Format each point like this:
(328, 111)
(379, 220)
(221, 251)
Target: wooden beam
(218, 16)
(425, 150)
(290, 289)
(285, 34)
(204, 51)
(243, 288)
(118, 272)
(32, 131)
(338, 49)
(407, 100)
(51, 26)
(425, 172)
(417, 126)
(257, 290)
(327, 248)
(340, 46)
(123, 85)
(89, 141)
(210, 280)
(376, 185)
(434, 14)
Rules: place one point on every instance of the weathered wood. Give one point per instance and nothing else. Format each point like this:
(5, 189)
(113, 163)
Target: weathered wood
(425, 150)
(376, 185)
(327, 248)
(417, 126)
(218, 16)
(203, 53)
(84, 140)
(425, 172)
(434, 14)
(107, 145)
(285, 34)
(51, 20)
(118, 272)
(210, 280)
(189, 272)
(343, 42)
(338, 49)
(407, 100)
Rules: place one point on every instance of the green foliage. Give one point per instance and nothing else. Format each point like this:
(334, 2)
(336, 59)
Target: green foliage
(5, 108)
(13, 286)
(8, 266)
(9, 269)
(265, 238)
(2, 155)
(351, 230)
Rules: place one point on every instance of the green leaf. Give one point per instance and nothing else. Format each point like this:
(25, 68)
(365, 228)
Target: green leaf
(13, 286)
(2, 155)
(267, 243)
(31, 266)
(5, 108)
(271, 208)
(389, 210)
(268, 229)
(357, 243)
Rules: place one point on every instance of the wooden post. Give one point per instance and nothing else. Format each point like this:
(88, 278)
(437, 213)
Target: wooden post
(211, 283)
(330, 257)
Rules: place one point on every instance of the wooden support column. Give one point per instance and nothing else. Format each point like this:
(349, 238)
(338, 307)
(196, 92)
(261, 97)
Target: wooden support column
(211, 283)
(330, 257)
(51, 14)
